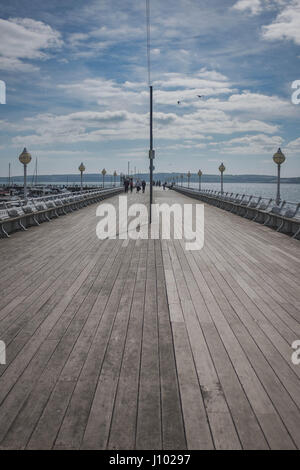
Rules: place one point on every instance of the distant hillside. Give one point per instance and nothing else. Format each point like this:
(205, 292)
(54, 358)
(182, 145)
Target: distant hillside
(96, 177)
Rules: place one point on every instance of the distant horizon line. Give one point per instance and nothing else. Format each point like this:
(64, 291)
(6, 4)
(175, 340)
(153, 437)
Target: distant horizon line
(193, 175)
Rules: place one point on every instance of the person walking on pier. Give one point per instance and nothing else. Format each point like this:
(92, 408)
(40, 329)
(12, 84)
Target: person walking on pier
(143, 185)
(131, 185)
(126, 185)
(138, 186)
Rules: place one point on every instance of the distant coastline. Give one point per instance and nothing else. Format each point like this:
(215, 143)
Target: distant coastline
(95, 177)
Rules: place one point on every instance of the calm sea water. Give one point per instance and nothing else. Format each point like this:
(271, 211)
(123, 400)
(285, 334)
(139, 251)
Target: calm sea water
(289, 192)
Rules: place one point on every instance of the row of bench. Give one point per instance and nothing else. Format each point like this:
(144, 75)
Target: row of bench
(36, 211)
(283, 217)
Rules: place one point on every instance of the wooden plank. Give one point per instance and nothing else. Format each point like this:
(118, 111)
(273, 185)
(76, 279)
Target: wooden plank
(149, 426)
(173, 434)
(123, 425)
(221, 424)
(97, 431)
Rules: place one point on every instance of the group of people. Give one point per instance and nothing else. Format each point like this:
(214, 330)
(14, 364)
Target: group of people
(139, 185)
(159, 183)
(129, 185)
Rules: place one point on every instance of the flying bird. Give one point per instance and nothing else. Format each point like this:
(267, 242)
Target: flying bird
(200, 96)
(178, 102)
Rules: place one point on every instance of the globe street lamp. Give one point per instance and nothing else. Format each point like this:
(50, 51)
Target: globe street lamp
(115, 176)
(188, 177)
(278, 158)
(81, 168)
(103, 175)
(199, 174)
(222, 169)
(25, 158)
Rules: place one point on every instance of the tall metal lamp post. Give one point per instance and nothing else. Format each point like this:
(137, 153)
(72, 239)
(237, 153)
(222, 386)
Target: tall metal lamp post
(278, 158)
(221, 170)
(151, 152)
(81, 168)
(188, 177)
(103, 175)
(115, 176)
(25, 159)
(199, 174)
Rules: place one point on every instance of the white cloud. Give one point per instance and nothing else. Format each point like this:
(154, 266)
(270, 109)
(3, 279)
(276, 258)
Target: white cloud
(293, 147)
(255, 104)
(58, 153)
(155, 52)
(123, 113)
(87, 126)
(259, 144)
(167, 91)
(83, 126)
(202, 80)
(108, 93)
(12, 64)
(25, 39)
(95, 41)
(286, 25)
(254, 6)
(118, 33)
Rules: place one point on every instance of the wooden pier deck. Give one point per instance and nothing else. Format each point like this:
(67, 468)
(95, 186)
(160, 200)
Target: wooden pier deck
(124, 344)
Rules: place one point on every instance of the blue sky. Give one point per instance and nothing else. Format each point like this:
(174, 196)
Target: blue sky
(77, 90)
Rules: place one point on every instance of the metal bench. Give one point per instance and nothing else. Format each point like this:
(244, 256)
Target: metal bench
(274, 211)
(31, 210)
(258, 209)
(288, 220)
(34, 211)
(261, 209)
(4, 217)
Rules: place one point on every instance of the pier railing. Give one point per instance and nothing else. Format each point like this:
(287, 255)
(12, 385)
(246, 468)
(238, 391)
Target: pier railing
(284, 217)
(18, 201)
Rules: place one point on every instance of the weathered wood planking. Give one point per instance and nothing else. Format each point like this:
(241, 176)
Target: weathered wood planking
(140, 344)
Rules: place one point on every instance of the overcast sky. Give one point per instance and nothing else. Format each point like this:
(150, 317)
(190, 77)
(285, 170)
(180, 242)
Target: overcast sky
(76, 78)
